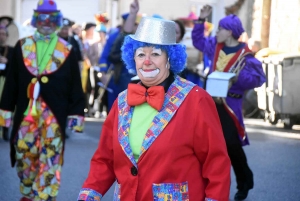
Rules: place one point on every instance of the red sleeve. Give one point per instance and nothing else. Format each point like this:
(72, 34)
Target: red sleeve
(101, 175)
(210, 148)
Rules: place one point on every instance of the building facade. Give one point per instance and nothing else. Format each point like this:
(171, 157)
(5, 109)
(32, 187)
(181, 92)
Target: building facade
(273, 23)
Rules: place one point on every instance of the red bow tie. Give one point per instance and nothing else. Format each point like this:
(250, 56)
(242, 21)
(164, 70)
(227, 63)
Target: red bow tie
(154, 96)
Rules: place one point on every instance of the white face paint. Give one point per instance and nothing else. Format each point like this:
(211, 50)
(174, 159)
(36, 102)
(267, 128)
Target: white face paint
(150, 64)
(141, 55)
(139, 52)
(149, 74)
(156, 51)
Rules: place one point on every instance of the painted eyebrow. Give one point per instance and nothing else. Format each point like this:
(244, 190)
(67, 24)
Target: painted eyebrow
(157, 50)
(139, 50)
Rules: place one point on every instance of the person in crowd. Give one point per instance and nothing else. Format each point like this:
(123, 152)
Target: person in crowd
(5, 61)
(111, 57)
(180, 30)
(5, 21)
(149, 145)
(42, 89)
(13, 30)
(121, 75)
(90, 44)
(102, 101)
(199, 74)
(102, 30)
(66, 33)
(91, 54)
(195, 59)
(101, 27)
(230, 55)
(77, 35)
(105, 64)
(77, 30)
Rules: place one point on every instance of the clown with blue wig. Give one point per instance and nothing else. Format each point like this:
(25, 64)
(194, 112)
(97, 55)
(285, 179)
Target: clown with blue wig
(231, 56)
(42, 89)
(162, 139)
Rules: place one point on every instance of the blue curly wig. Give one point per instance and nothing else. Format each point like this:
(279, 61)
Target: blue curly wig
(176, 54)
(58, 22)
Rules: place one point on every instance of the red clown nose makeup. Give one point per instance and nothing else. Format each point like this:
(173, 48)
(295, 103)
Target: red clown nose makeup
(147, 62)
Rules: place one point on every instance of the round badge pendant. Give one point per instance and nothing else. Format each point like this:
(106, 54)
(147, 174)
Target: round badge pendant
(44, 79)
(34, 80)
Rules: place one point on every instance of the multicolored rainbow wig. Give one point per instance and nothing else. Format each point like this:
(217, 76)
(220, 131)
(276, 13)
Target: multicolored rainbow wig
(176, 54)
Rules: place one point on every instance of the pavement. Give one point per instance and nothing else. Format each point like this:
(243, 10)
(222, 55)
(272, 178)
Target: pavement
(263, 127)
(274, 160)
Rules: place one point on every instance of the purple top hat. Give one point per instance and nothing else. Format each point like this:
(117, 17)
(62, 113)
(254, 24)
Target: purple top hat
(46, 6)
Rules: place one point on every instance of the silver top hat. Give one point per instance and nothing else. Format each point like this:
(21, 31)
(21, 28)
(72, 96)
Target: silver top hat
(155, 31)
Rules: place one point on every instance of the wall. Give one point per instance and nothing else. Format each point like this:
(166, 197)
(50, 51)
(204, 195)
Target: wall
(168, 9)
(6, 7)
(245, 14)
(257, 20)
(285, 25)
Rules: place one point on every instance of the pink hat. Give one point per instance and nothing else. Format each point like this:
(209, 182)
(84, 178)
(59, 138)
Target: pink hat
(46, 6)
(192, 16)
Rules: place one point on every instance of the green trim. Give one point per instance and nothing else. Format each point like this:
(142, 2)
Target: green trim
(45, 51)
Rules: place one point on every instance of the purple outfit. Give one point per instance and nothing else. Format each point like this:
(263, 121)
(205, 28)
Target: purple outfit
(251, 76)
(230, 113)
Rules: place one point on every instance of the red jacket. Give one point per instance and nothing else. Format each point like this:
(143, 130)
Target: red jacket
(188, 157)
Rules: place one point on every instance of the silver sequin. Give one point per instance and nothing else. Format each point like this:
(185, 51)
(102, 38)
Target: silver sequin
(155, 31)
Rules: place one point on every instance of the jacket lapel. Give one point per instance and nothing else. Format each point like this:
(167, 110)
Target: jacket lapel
(29, 55)
(175, 96)
(61, 52)
(124, 120)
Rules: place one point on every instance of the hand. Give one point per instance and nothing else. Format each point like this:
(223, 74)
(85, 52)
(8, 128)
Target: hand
(134, 7)
(87, 61)
(234, 79)
(205, 11)
(3, 60)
